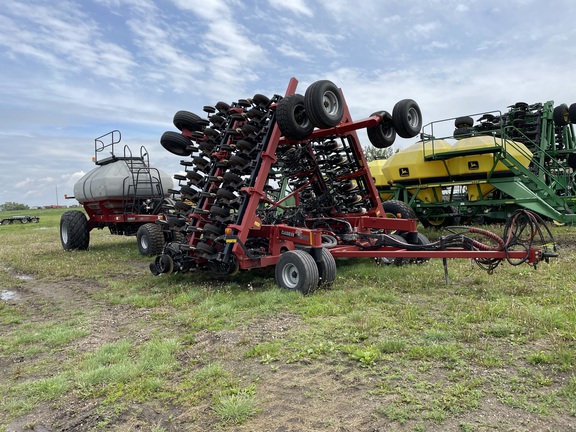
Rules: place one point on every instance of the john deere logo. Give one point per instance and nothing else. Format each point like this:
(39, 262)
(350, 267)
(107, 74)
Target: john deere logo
(473, 165)
(404, 172)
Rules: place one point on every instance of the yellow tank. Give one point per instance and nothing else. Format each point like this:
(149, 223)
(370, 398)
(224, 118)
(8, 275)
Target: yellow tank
(480, 164)
(408, 166)
(375, 168)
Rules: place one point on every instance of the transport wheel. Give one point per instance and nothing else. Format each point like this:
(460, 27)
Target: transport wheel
(398, 209)
(297, 270)
(572, 113)
(561, 115)
(292, 118)
(326, 269)
(74, 231)
(421, 240)
(150, 239)
(323, 103)
(24, 220)
(439, 222)
(464, 122)
(383, 134)
(163, 264)
(176, 143)
(407, 118)
(187, 120)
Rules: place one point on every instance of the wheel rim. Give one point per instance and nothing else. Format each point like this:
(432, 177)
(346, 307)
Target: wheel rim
(413, 118)
(300, 116)
(144, 243)
(290, 276)
(436, 221)
(64, 235)
(330, 103)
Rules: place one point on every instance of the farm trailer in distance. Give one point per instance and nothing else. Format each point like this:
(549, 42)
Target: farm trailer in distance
(19, 219)
(486, 169)
(283, 182)
(123, 193)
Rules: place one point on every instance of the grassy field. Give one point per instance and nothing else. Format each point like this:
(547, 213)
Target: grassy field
(92, 341)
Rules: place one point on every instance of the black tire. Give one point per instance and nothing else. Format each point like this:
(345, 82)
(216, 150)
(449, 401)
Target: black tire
(572, 113)
(464, 122)
(460, 133)
(326, 269)
(206, 248)
(421, 239)
(176, 143)
(260, 100)
(297, 270)
(150, 239)
(187, 120)
(439, 222)
(292, 118)
(182, 207)
(226, 194)
(220, 211)
(383, 134)
(24, 221)
(561, 115)
(396, 208)
(213, 229)
(74, 231)
(407, 118)
(323, 103)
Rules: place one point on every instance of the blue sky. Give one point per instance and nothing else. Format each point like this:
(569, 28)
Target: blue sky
(72, 70)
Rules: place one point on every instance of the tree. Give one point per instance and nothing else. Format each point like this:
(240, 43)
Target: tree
(373, 153)
(7, 206)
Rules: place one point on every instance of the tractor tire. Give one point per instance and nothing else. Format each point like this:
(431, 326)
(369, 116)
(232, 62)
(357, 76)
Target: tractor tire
(261, 100)
(398, 209)
(323, 103)
(150, 239)
(407, 118)
(326, 269)
(187, 120)
(292, 118)
(74, 231)
(296, 270)
(383, 134)
(176, 143)
(561, 115)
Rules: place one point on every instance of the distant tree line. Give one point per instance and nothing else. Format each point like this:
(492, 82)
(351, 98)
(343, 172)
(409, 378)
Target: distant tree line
(8, 206)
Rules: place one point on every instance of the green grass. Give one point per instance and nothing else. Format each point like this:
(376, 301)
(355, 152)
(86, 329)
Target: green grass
(427, 353)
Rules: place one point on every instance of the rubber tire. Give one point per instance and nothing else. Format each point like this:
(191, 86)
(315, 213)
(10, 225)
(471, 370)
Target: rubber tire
(464, 122)
(393, 208)
(74, 231)
(572, 113)
(421, 240)
(187, 120)
(292, 118)
(324, 104)
(439, 222)
(383, 134)
(296, 270)
(150, 239)
(561, 115)
(407, 118)
(326, 269)
(176, 143)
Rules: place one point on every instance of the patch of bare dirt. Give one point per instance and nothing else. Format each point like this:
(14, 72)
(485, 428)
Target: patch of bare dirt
(297, 397)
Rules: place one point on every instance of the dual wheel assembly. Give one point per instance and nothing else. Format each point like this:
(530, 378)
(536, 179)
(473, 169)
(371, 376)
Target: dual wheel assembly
(297, 270)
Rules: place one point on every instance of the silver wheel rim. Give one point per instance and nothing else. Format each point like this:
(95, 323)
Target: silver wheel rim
(330, 103)
(290, 276)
